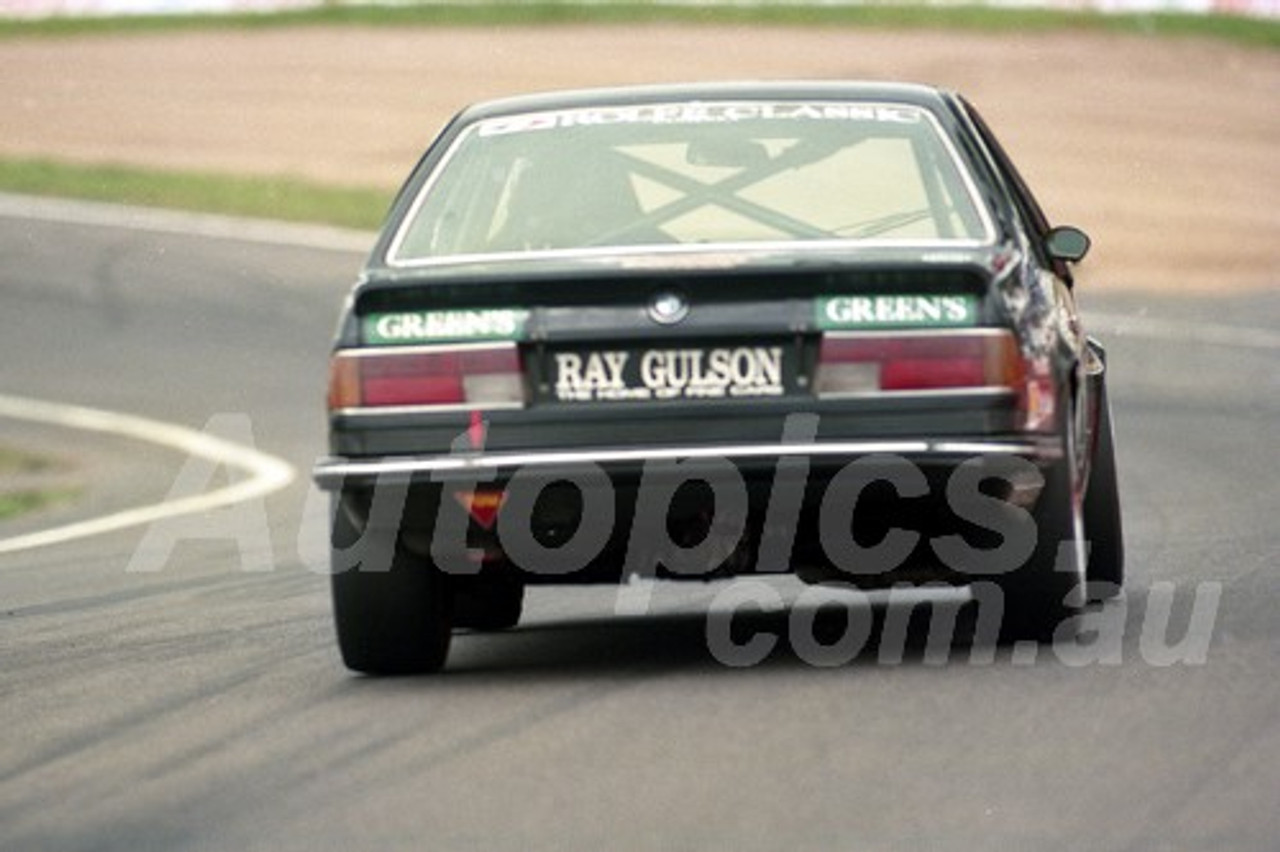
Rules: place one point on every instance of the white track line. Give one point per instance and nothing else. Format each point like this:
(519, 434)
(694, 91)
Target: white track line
(265, 474)
(103, 215)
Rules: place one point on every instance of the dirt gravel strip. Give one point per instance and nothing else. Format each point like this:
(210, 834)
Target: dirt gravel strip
(1164, 149)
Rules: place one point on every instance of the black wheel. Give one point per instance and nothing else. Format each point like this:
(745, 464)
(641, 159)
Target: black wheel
(1102, 524)
(488, 603)
(1044, 592)
(392, 610)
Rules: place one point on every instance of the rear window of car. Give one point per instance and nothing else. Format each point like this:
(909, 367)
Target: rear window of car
(693, 174)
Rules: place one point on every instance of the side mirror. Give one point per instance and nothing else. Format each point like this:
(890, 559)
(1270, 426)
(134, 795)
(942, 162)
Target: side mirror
(1067, 243)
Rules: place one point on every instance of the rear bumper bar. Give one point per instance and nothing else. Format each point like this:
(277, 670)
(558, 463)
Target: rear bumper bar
(336, 473)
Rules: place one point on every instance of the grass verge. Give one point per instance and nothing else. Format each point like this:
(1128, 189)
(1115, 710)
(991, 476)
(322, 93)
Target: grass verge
(24, 502)
(288, 199)
(30, 495)
(1259, 32)
(15, 461)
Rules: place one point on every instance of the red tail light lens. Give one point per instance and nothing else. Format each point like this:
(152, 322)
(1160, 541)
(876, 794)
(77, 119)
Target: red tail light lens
(876, 363)
(980, 359)
(478, 376)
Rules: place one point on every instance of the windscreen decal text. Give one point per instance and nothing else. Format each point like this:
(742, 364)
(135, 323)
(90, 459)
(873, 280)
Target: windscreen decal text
(699, 113)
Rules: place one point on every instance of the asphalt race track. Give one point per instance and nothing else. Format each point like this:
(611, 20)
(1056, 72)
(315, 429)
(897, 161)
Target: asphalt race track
(197, 701)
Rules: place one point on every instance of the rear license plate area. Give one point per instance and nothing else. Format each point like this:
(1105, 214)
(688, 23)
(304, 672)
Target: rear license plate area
(663, 372)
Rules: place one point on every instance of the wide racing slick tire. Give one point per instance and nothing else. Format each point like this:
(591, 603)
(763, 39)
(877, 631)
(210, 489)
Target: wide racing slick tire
(393, 611)
(1045, 592)
(488, 602)
(1102, 522)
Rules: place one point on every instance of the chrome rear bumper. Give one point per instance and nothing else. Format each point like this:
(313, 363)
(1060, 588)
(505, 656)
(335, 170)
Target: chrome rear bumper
(335, 473)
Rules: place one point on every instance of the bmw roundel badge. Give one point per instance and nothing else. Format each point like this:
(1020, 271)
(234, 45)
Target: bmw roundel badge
(668, 308)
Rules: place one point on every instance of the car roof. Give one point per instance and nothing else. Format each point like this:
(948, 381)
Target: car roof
(928, 97)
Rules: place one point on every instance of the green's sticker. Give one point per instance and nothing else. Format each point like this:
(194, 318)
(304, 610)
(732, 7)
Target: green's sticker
(896, 311)
(444, 326)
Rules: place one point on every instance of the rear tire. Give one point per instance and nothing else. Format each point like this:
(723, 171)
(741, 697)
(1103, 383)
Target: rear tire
(1102, 522)
(392, 610)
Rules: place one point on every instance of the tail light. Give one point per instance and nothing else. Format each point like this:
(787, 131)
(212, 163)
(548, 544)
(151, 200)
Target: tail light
(473, 376)
(872, 363)
(980, 359)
